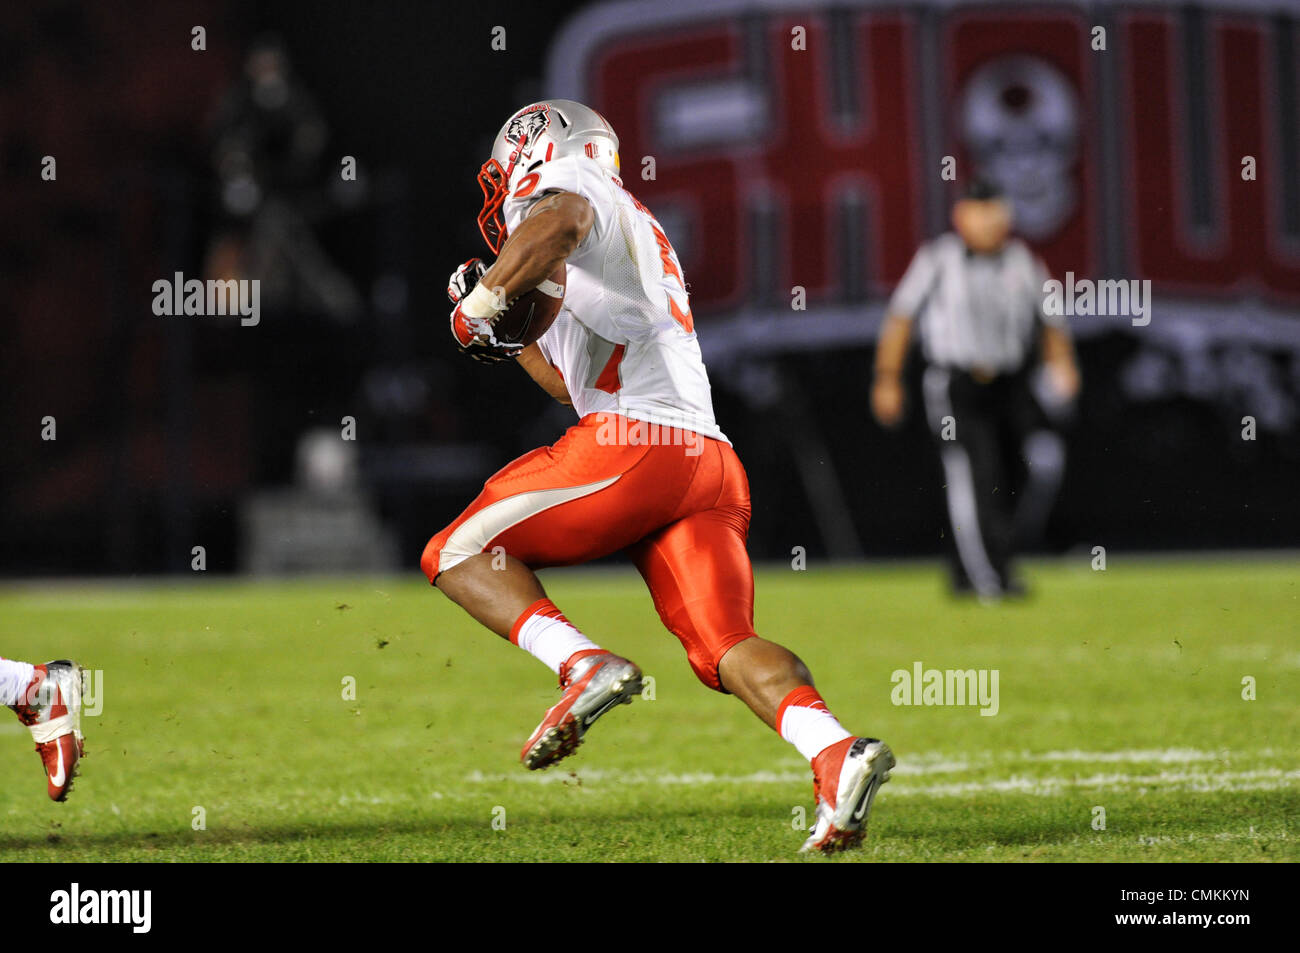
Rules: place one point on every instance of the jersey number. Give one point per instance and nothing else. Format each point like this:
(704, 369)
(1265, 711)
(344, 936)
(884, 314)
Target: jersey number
(666, 258)
(526, 186)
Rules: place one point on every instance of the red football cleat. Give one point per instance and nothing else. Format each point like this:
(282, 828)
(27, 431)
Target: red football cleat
(51, 708)
(594, 681)
(846, 777)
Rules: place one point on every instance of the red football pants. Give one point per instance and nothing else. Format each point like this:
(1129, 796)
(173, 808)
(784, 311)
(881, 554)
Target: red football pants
(677, 501)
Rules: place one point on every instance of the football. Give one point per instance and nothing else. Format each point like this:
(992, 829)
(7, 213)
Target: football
(528, 316)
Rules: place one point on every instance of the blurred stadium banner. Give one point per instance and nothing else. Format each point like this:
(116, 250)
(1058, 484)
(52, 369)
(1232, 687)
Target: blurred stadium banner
(1124, 162)
(1151, 141)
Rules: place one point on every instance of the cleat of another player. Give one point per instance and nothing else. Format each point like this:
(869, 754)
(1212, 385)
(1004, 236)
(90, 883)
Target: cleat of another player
(51, 708)
(846, 777)
(593, 683)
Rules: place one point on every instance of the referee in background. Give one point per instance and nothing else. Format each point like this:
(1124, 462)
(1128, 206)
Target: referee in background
(1000, 376)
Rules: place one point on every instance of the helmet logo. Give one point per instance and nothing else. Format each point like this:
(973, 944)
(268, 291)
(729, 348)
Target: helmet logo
(523, 129)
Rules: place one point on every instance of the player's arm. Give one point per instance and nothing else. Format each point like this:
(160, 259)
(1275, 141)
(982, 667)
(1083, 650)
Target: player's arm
(891, 352)
(555, 226)
(553, 230)
(546, 376)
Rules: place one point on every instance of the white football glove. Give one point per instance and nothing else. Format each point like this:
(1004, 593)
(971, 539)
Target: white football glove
(464, 278)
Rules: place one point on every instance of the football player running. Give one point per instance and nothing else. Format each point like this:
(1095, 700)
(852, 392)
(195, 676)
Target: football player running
(645, 469)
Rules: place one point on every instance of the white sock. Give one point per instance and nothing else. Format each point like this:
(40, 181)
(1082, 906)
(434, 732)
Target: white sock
(807, 724)
(14, 679)
(544, 632)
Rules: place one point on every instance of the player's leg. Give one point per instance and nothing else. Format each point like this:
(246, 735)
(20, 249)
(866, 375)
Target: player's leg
(15, 677)
(47, 699)
(494, 589)
(763, 674)
(503, 594)
(702, 583)
(571, 503)
(527, 516)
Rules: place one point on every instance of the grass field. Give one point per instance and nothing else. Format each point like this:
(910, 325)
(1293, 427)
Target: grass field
(1119, 690)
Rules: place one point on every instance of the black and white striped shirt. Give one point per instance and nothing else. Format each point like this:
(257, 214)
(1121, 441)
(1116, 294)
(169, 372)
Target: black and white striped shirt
(975, 311)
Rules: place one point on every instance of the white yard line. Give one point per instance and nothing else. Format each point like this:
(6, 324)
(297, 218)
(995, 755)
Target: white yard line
(1262, 780)
(911, 777)
(1157, 756)
(1197, 782)
(915, 778)
(599, 776)
(935, 762)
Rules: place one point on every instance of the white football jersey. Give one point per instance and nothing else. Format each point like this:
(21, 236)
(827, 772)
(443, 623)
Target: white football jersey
(624, 341)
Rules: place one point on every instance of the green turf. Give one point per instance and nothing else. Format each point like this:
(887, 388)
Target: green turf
(1120, 690)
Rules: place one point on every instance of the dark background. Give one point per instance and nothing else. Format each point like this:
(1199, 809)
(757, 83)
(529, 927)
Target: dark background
(165, 424)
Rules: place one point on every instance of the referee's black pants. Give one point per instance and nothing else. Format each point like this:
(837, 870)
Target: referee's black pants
(1002, 464)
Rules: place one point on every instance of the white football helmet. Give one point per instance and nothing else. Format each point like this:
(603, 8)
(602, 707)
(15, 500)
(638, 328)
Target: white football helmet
(535, 134)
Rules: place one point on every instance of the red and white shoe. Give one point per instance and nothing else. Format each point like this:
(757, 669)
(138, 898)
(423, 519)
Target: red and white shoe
(594, 681)
(51, 708)
(846, 777)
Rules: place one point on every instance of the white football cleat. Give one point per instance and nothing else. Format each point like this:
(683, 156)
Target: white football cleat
(846, 777)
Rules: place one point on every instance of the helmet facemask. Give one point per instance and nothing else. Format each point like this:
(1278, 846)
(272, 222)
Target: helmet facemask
(495, 183)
